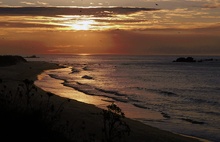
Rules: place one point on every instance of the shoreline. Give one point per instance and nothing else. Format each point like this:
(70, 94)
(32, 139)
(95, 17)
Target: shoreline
(46, 80)
(79, 112)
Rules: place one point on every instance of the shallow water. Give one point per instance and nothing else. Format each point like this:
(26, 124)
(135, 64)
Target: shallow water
(179, 97)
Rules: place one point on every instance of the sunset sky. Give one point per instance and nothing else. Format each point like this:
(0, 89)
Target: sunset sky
(141, 27)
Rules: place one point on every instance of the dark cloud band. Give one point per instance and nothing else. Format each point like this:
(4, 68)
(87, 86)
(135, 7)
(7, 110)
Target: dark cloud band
(54, 11)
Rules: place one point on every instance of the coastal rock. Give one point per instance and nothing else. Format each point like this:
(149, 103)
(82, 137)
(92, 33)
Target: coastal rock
(191, 59)
(207, 60)
(183, 59)
(33, 56)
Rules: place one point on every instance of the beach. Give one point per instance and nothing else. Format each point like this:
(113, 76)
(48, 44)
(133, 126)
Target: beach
(78, 121)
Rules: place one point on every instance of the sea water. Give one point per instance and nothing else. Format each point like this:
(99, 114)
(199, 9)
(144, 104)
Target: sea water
(181, 97)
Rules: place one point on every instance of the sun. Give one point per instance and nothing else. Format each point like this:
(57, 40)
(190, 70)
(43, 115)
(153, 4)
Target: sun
(82, 25)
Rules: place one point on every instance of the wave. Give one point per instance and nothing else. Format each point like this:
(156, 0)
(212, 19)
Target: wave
(74, 70)
(141, 106)
(90, 90)
(110, 101)
(133, 100)
(56, 77)
(94, 91)
(167, 93)
(212, 113)
(207, 89)
(165, 115)
(140, 88)
(157, 91)
(86, 68)
(202, 101)
(87, 77)
(162, 92)
(192, 121)
(110, 92)
(124, 100)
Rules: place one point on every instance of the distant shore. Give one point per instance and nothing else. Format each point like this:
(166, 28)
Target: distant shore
(81, 120)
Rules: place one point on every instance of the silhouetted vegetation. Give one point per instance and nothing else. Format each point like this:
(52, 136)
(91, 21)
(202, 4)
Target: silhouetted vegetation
(7, 60)
(114, 127)
(24, 114)
(20, 119)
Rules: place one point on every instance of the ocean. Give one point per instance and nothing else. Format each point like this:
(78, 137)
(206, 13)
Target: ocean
(181, 97)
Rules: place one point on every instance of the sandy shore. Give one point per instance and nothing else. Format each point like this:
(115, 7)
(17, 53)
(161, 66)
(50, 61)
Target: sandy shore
(77, 120)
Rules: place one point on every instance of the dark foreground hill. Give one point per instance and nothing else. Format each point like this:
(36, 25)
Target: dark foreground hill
(7, 60)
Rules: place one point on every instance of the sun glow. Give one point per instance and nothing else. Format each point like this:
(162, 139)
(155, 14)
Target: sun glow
(84, 54)
(83, 25)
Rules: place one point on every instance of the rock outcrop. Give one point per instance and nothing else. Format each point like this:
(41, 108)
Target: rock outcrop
(183, 59)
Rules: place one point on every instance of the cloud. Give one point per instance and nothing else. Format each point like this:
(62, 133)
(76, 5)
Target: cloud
(212, 4)
(26, 25)
(69, 18)
(54, 11)
(215, 5)
(104, 18)
(42, 3)
(27, 3)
